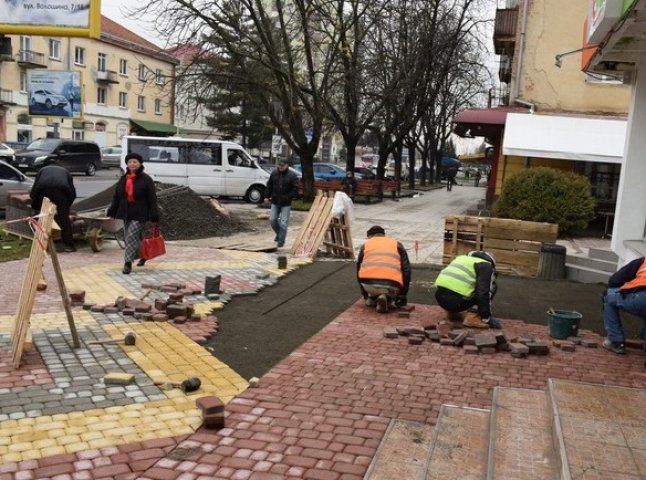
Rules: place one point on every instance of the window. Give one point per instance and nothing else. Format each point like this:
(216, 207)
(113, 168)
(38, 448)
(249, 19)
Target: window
(102, 62)
(141, 75)
(23, 81)
(25, 43)
(598, 78)
(123, 67)
(78, 134)
(54, 49)
(100, 95)
(141, 103)
(159, 77)
(79, 56)
(237, 158)
(158, 106)
(207, 155)
(123, 100)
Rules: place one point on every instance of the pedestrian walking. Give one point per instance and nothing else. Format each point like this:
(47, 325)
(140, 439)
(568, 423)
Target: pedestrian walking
(626, 292)
(450, 178)
(349, 184)
(282, 188)
(383, 271)
(478, 176)
(468, 284)
(134, 202)
(56, 183)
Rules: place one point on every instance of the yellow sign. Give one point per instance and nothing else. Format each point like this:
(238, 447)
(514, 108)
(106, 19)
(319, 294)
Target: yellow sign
(57, 18)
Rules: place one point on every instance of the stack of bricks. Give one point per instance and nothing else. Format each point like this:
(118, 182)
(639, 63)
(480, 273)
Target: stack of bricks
(77, 298)
(472, 342)
(212, 412)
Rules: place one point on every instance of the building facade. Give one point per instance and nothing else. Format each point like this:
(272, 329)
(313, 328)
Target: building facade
(127, 86)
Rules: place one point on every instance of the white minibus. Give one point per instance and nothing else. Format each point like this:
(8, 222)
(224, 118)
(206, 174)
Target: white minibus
(208, 167)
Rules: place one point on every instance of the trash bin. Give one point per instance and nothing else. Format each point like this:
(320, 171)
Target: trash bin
(563, 323)
(551, 262)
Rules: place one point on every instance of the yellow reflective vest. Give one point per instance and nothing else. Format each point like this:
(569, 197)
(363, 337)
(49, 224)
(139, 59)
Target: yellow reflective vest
(459, 276)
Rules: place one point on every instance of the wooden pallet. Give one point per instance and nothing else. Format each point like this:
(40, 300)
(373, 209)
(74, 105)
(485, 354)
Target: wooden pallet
(516, 244)
(245, 246)
(320, 228)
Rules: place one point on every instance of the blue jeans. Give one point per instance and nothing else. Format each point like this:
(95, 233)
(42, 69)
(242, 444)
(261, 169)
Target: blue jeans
(615, 301)
(279, 221)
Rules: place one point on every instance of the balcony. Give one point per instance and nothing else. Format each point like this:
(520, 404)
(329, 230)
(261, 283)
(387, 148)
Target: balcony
(6, 97)
(504, 30)
(107, 76)
(31, 59)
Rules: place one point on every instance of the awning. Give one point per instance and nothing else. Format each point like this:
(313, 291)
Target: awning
(483, 122)
(156, 127)
(571, 138)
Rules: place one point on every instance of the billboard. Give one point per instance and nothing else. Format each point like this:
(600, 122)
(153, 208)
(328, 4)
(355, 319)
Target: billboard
(54, 93)
(68, 18)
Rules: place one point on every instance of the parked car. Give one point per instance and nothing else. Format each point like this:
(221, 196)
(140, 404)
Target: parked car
(365, 173)
(6, 153)
(82, 157)
(47, 98)
(111, 156)
(390, 170)
(324, 171)
(11, 179)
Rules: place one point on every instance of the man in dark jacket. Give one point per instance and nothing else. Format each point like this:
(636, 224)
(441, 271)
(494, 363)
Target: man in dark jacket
(469, 283)
(383, 271)
(282, 187)
(56, 183)
(626, 291)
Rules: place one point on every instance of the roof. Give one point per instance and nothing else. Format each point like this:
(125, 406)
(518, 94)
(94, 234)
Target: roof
(113, 32)
(567, 137)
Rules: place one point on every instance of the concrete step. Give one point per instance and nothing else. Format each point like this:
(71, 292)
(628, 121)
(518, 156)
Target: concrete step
(403, 452)
(582, 274)
(599, 430)
(459, 447)
(520, 436)
(603, 254)
(588, 262)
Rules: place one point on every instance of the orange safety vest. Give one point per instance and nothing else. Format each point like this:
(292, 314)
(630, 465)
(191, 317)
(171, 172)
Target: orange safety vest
(381, 261)
(639, 281)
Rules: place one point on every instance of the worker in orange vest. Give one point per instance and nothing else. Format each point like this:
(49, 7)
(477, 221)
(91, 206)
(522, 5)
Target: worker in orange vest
(626, 291)
(383, 271)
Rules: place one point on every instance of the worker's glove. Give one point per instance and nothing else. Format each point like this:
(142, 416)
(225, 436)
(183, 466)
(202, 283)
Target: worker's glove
(493, 323)
(401, 300)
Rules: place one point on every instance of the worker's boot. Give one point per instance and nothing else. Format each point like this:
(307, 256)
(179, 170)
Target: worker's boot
(473, 320)
(382, 303)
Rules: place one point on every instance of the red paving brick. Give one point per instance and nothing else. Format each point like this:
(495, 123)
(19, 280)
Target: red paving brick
(322, 412)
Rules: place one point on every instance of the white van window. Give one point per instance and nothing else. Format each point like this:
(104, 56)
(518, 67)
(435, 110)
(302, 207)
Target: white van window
(205, 155)
(238, 158)
(161, 154)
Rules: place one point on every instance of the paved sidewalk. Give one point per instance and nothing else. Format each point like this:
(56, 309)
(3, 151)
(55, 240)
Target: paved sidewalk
(318, 414)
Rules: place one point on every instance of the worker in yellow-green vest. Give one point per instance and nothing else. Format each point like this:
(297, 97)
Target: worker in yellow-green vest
(468, 284)
(383, 271)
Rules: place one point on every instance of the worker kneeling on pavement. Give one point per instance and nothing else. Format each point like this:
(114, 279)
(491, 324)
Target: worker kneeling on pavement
(469, 283)
(383, 271)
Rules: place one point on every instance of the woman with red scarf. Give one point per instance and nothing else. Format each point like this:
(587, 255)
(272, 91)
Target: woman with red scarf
(134, 202)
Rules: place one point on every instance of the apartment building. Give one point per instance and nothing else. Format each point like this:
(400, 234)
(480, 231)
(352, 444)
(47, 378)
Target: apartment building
(550, 112)
(127, 86)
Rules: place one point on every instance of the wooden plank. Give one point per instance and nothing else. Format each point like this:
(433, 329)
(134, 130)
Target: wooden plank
(63, 290)
(30, 281)
(515, 245)
(308, 222)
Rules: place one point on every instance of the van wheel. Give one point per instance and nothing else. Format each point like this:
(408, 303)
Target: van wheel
(255, 194)
(91, 170)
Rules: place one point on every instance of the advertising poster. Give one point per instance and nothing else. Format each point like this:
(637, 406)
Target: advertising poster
(54, 93)
(58, 13)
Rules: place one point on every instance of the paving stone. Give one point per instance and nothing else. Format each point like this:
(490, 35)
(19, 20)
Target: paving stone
(485, 340)
(589, 343)
(471, 349)
(443, 329)
(446, 341)
(391, 332)
(538, 348)
(433, 336)
(403, 314)
(519, 349)
(487, 350)
(210, 404)
(214, 421)
(118, 379)
(416, 339)
(459, 339)
(574, 340)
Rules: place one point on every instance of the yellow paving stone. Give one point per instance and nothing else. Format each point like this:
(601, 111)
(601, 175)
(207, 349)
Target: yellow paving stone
(56, 433)
(20, 447)
(76, 447)
(30, 437)
(67, 439)
(92, 435)
(48, 442)
(101, 443)
(33, 454)
(11, 457)
(50, 451)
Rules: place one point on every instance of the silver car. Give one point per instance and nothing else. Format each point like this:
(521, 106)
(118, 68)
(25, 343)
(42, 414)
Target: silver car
(11, 179)
(111, 156)
(6, 153)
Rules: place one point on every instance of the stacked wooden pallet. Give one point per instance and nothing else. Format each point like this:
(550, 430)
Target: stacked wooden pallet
(516, 244)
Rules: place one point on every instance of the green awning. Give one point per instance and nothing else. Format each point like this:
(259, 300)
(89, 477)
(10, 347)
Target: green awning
(156, 127)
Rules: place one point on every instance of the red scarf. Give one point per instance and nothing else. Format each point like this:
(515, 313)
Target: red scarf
(130, 187)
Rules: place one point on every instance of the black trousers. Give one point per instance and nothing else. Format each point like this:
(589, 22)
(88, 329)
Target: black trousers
(62, 217)
(453, 302)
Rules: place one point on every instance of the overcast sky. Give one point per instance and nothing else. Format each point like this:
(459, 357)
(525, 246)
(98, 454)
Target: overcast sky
(116, 10)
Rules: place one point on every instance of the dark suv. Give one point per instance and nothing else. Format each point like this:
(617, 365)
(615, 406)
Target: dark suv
(83, 157)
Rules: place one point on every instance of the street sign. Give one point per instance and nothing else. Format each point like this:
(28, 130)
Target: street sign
(276, 144)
